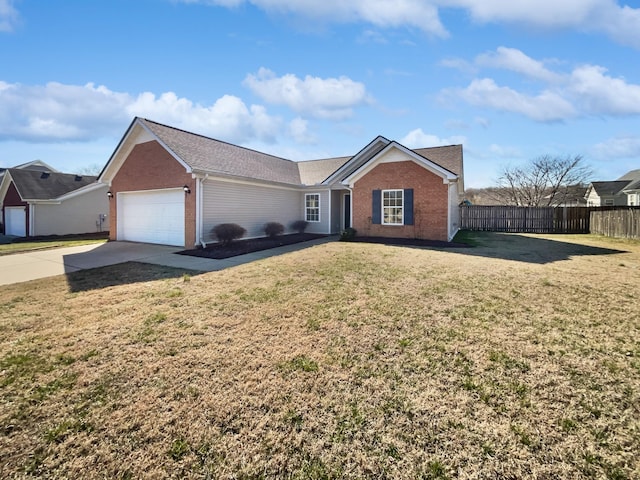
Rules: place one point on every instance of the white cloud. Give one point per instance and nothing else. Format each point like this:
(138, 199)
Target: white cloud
(621, 23)
(516, 61)
(8, 16)
(58, 112)
(601, 94)
(419, 139)
(544, 107)
(418, 14)
(504, 151)
(459, 64)
(299, 131)
(586, 90)
(330, 98)
(618, 148)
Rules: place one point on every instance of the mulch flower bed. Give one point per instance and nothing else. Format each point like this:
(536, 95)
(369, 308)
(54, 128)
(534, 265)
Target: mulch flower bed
(240, 247)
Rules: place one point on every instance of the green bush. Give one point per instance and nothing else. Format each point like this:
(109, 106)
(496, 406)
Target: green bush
(348, 234)
(299, 226)
(273, 229)
(228, 232)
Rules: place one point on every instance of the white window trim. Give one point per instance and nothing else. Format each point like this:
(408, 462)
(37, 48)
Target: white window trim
(383, 207)
(306, 209)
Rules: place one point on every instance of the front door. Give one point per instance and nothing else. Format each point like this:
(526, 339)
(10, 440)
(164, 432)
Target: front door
(347, 210)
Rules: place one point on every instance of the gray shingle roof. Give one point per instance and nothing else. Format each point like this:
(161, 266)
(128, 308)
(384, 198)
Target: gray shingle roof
(632, 175)
(38, 185)
(208, 155)
(313, 172)
(609, 188)
(449, 157)
(214, 156)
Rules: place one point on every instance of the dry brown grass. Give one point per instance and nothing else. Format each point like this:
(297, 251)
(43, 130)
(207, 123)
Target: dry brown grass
(516, 359)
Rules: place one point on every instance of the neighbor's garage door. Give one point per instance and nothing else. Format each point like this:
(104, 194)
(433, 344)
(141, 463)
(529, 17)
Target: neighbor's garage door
(152, 217)
(15, 220)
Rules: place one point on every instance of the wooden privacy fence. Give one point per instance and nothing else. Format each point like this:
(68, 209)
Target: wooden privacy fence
(621, 222)
(525, 219)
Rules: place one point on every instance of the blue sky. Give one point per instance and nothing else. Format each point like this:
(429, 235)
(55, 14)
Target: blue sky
(307, 79)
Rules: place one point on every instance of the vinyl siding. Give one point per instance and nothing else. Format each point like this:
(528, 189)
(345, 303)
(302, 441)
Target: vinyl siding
(250, 206)
(78, 214)
(454, 210)
(323, 225)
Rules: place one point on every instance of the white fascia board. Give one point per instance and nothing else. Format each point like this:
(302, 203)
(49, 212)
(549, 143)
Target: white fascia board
(357, 157)
(4, 186)
(446, 175)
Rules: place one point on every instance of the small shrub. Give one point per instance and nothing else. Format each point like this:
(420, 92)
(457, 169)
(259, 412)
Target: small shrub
(228, 232)
(273, 229)
(348, 234)
(299, 225)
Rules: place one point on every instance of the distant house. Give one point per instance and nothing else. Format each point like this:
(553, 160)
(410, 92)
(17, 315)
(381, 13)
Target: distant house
(37, 200)
(169, 186)
(34, 165)
(623, 191)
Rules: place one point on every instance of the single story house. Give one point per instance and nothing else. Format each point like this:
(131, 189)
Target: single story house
(170, 186)
(623, 191)
(36, 201)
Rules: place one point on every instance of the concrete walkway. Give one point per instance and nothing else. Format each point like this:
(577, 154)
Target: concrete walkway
(22, 267)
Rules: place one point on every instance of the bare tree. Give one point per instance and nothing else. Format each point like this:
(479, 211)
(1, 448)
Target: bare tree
(543, 181)
(92, 169)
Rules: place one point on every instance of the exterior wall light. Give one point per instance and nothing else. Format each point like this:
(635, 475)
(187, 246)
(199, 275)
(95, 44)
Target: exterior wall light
(186, 189)
(109, 194)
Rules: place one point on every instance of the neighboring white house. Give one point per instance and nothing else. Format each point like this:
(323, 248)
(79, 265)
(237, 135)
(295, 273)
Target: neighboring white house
(37, 202)
(623, 191)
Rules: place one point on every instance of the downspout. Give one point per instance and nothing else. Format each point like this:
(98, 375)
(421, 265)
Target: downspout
(329, 216)
(200, 189)
(350, 206)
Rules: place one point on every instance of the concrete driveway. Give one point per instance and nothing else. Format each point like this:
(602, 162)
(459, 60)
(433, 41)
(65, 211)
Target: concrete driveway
(23, 267)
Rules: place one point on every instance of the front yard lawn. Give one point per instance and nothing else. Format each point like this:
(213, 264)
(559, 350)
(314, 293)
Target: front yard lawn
(25, 245)
(343, 360)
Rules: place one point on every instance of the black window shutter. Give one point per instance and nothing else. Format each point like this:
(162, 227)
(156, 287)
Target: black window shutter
(376, 209)
(408, 206)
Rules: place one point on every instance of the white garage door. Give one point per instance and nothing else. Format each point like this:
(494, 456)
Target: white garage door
(152, 217)
(15, 220)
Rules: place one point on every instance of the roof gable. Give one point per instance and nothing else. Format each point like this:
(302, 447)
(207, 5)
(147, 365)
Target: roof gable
(386, 155)
(201, 154)
(359, 159)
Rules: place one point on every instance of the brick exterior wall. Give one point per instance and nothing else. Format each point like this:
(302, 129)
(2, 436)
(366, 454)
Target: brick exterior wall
(150, 167)
(430, 203)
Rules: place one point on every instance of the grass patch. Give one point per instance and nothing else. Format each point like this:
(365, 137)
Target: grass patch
(47, 244)
(346, 360)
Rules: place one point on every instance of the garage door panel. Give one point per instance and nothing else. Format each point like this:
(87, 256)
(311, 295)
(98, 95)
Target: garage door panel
(152, 217)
